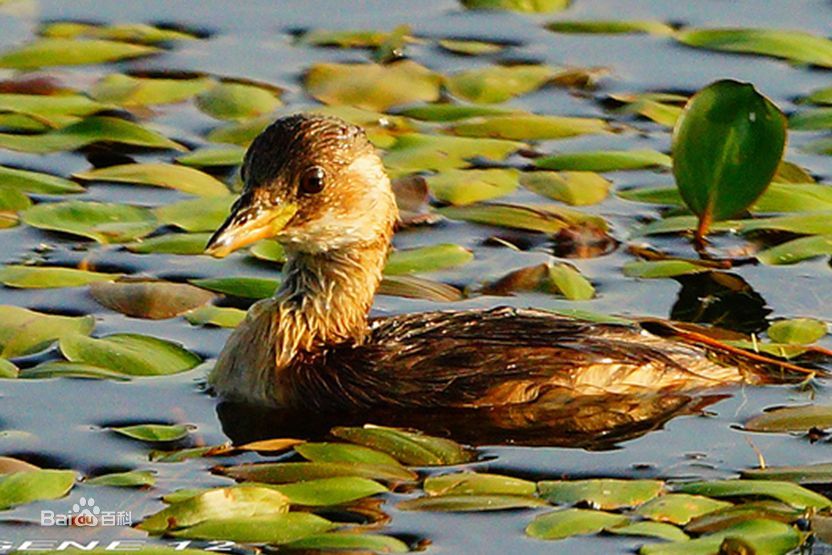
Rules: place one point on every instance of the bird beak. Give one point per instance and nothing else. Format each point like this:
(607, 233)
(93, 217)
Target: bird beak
(249, 222)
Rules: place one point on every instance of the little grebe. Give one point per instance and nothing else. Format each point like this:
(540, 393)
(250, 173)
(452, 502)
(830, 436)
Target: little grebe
(317, 186)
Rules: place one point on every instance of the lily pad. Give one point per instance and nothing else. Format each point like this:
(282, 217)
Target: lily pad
(64, 369)
(417, 152)
(282, 473)
(756, 536)
(471, 503)
(605, 160)
(20, 488)
(797, 331)
(409, 447)
(531, 6)
(245, 287)
(453, 112)
(275, 529)
(792, 419)
(611, 27)
(570, 283)
(461, 187)
(786, 492)
(344, 452)
(24, 332)
(46, 277)
(470, 47)
(204, 214)
(650, 529)
(358, 38)
(269, 250)
(213, 156)
(154, 300)
(651, 269)
(578, 188)
(816, 119)
(154, 432)
(478, 483)
(8, 369)
(431, 258)
(132, 479)
(238, 101)
(545, 220)
(803, 474)
(496, 84)
(601, 493)
(171, 243)
(558, 525)
(528, 127)
(50, 108)
(129, 91)
(103, 222)
(796, 250)
(64, 52)
(330, 491)
(36, 182)
(181, 178)
(126, 32)
(132, 354)
(372, 86)
(679, 508)
(375, 543)
(224, 317)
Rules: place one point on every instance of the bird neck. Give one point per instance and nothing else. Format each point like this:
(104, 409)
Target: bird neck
(325, 297)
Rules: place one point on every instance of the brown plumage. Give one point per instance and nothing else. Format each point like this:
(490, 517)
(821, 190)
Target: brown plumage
(317, 185)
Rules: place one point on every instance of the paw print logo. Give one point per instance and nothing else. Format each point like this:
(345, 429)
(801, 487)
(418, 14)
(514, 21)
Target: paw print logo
(86, 513)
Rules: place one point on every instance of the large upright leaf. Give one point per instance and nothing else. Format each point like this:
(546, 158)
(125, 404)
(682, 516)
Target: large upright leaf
(726, 148)
(797, 46)
(23, 331)
(63, 52)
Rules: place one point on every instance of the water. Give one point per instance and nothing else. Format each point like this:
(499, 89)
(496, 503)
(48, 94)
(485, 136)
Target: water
(61, 423)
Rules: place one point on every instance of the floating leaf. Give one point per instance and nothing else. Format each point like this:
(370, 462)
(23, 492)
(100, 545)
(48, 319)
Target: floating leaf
(792, 419)
(528, 127)
(531, 6)
(344, 39)
(650, 529)
(154, 432)
(726, 149)
(758, 536)
(811, 120)
(45, 277)
(545, 220)
(786, 492)
(181, 178)
(601, 493)
(570, 283)
(277, 529)
(132, 354)
(797, 46)
(417, 152)
(132, 479)
(268, 249)
(679, 508)
(413, 287)
(796, 250)
(127, 32)
(575, 188)
(64, 369)
(804, 474)
(213, 156)
(409, 447)
(171, 243)
(766, 509)
(372, 86)
(91, 130)
(427, 259)
(36, 182)
(820, 96)
(661, 108)
(495, 84)
(461, 187)
(375, 543)
(281, 473)
(240, 133)
(126, 90)
(220, 503)
(50, 107)
(453, 112)
(224, 317)
(344, 452)
(10, 465)
(20, 488)
(558, 525)
(11, 201)
(330, 491)
(797, 331)
(649, 269)
(246, 287)
(477, 483)
(611, 27)
(65, 52)
(470, 47)
(605, 160)
(154, 300)
(8, 369)
(237, 101)
(471, 503)
(103, 222)
(24, 332)
(205, 214)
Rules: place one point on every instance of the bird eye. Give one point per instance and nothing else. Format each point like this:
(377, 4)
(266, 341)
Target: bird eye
(312, 181)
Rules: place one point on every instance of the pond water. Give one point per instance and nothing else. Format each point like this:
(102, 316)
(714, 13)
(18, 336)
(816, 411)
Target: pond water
(62, 423)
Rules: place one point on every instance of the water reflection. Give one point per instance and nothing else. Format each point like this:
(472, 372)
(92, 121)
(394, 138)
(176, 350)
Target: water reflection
(722, 299)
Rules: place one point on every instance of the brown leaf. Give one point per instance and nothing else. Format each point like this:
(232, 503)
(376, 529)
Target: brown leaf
(154, 300)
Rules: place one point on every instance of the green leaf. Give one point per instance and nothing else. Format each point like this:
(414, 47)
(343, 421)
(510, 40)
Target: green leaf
(375, 543)
(20, 488)
(494, 84)
(792, 419)
(650, 269)
(154, 300)
(417, 152)
(171, 243)
(820, 96)
(570, 283)
(343, 452)
(452, 112)
(269, 250)
(245, 287)
(221, 503)
(213, 156)
(650, 529)
(372, 86)
(344, 39)
(91, 130)
(804, 474)
(815, 119)
(574, 188)
(409, 447)
(23, 332)
(204, 214)
(181, 178)
(762, 537)
(224, 317)
(126, 32)
(786, 492)
(431, 258)
(276, 529)
(47, 107)
(281, 473)
(558, 525)
(605, 160)
(726, 149)
(36, 182)
(545, 220)
(330, 491)
(531, 6)
(237, 101)
(797, 331)
(602, 493)
(103, 222)
(470, 47)
(796, 250)
(45, 277)
(64, 369)
(461, 187)
(471, 503)
(126, 90)
(133, 354)
(132, 479)
(240, 133)
(679, 508)
(797, 46)
(528, 127)
(478, 483)
(8, 369)
(611, 27)
(154, 432)
(64, 52)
